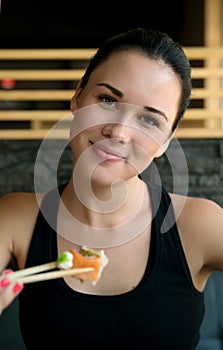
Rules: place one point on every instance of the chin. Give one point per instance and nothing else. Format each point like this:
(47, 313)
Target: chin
(106, 177)
(102, 179)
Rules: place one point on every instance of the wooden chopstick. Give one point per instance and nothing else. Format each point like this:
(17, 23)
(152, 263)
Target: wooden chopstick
(50, 275)
(32, 274)
(33, 270)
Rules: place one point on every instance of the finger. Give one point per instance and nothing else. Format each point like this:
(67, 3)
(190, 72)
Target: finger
(6, 272)
(8, 291)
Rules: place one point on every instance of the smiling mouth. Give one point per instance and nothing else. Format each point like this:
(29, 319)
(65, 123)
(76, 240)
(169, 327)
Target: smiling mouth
(106, 153)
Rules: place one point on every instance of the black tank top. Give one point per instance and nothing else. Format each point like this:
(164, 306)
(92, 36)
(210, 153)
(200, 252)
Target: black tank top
(164, 312)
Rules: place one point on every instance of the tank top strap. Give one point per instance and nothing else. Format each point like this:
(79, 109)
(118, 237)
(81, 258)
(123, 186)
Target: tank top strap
(163, 213)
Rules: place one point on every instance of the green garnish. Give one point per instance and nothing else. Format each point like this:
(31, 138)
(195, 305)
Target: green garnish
(65, 258)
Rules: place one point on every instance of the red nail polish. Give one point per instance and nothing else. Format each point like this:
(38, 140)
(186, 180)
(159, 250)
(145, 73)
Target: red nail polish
(5, 282)
(7, 272)
(17, 288)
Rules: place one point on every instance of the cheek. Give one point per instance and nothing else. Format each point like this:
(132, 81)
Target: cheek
(143, 150)
(149, 146)
(74, 147)
(78, 144)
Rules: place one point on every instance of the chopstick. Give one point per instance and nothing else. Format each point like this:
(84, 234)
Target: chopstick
(33, 270)
(32, 274)
(52, 275)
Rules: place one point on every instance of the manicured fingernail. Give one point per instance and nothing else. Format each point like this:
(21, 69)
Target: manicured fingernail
(5, 282)
(17, 288)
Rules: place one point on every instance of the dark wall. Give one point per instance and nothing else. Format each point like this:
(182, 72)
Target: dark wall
(197, 162)
(10, 337)
(204, 159)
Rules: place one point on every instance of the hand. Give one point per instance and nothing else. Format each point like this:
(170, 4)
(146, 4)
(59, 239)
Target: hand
(8, 290)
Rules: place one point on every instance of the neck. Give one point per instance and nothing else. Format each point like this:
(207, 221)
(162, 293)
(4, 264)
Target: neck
(103, 206)
(80, 225)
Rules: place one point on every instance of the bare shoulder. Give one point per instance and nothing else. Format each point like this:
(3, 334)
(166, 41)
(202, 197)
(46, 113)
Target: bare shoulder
(200, 223)
(18, 205)
(18, 209)
(200, 210)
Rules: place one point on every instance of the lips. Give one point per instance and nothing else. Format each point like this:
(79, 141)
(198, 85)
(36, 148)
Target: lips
(106, 153)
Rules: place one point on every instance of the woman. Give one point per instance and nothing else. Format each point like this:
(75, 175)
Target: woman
(161, 253)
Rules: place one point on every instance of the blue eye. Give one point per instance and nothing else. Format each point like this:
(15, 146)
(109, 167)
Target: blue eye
(108, 102)
(148, 120)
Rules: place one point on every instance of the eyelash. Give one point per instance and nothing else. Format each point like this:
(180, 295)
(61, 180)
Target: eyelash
(106, 99)
(146, 120)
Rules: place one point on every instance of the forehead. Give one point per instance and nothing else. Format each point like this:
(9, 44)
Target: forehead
(142, 80)
(134, 67)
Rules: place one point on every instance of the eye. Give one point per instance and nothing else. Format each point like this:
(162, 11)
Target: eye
(108, 101)
(148, 120)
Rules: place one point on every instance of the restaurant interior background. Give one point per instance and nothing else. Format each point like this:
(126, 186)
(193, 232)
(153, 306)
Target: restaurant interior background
(70, 23)
(75, 24)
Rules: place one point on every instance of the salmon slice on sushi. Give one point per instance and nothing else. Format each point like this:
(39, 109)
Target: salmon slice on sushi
(85, 257)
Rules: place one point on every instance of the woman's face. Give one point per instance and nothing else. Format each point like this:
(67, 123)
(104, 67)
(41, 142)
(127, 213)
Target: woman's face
(123, 116)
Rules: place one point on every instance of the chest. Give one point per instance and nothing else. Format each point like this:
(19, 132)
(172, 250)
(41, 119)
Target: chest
(126, 266)
(156, 315)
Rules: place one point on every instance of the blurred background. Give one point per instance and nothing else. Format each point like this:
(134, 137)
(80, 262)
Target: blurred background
(46, 24)
(69, 24)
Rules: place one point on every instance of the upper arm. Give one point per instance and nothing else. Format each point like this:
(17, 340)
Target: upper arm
(17, 218)
(202, 231)
(6, 242)
(212, 225)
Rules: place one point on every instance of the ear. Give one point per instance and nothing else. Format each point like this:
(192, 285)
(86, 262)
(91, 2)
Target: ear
(74, 99)
(162, 149)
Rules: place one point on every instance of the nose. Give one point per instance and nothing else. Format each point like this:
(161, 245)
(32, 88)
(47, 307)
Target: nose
(120, 132)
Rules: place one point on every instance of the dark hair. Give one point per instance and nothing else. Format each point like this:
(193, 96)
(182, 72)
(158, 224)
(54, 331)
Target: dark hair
(157, 46)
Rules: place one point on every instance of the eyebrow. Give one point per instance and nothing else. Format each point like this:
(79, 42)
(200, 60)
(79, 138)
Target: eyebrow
(154, 110)
(118, 93)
